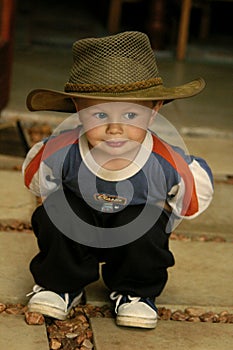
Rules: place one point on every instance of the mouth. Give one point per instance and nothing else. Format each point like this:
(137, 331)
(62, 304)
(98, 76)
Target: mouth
(116, 143)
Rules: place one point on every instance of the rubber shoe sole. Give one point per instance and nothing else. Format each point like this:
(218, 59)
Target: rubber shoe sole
(49, 309)
(129, 321)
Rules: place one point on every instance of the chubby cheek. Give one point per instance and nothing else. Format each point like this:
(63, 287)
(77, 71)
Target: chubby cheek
(136, 134)
(98, 134)
(94, 136)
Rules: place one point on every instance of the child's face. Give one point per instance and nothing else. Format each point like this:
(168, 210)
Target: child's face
(115, 128)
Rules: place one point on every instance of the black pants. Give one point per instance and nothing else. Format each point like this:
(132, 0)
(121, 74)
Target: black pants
(63, 265)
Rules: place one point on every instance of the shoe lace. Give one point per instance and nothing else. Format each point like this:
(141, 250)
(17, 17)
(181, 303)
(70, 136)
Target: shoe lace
(66, 298)
(121, 298)
(36, 289)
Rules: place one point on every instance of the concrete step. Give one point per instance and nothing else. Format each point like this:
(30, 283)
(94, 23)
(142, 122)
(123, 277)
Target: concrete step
(15, 334)
(200, 277)
(215, 150)
(16, 201)
(167, 336)
(217, 219)
(17, 250)
(8, 162)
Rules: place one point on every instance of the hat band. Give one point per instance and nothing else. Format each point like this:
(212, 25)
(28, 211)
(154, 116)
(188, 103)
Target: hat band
(71, 87)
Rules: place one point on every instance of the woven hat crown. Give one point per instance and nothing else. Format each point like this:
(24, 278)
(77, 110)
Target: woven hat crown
(118, 60)
(117, 67)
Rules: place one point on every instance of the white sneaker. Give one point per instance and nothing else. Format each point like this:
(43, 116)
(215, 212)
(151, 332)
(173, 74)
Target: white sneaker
(52, 304)
(134, 311)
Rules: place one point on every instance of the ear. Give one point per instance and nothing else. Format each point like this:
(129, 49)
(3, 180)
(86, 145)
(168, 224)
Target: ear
(155, 110)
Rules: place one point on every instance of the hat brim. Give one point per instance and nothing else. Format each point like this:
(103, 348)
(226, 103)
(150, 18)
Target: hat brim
(52, 100)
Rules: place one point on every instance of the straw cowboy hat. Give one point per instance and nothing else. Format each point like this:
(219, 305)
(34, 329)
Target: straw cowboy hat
(116, 67)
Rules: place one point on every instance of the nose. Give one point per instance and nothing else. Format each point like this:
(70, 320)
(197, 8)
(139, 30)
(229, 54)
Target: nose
(114, 128)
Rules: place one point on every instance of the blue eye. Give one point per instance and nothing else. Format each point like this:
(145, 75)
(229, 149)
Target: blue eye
(101, 115)
(130, 115)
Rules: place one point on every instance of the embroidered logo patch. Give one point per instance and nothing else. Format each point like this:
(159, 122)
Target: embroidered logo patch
(103, 197)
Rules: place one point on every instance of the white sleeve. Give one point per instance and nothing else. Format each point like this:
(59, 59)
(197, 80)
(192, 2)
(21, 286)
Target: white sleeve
(38, 177)
(201, 194)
